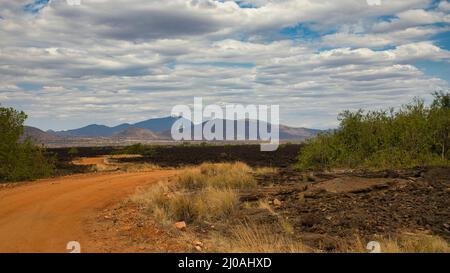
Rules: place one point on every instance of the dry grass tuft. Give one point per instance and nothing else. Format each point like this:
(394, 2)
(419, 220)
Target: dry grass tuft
(251, 238)
(404, 243)
(142, 167)
(265, 171)
(220, 202)
(221, 176)
(153, 196)
(192, 180)
(204, 194)
(213, 169)
(209, 203)
(170, 204)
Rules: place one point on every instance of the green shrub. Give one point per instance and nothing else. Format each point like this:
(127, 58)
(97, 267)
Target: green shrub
(136, 149)
(20, 159)
(415, 135)
(73, 152)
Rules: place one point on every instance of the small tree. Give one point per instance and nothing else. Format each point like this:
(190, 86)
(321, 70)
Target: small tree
(73, 152)
(440, 121)
(19, 160)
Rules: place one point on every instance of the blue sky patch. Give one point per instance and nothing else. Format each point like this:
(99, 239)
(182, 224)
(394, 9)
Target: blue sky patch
(245, 5)
(443, 40)
(387, 18)
(437, 69)
(305, 32)
(36, 6)
(29, 86)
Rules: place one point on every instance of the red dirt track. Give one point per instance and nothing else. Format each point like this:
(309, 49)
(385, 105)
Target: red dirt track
(44, 216)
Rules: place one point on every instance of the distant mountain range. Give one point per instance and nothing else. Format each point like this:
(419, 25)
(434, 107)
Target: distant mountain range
(158, 129)
(95, 130)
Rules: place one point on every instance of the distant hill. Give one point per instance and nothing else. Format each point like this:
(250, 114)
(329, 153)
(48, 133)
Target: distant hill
(156, 125)
(292, 133)
(93, 130)
(138, 133)
(286, 132)
(160, 128)
(38, 135)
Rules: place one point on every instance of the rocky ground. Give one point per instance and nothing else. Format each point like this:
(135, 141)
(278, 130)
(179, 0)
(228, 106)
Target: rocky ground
(324, 208)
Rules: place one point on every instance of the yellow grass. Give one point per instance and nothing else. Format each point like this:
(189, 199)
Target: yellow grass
(265, 171)
(156, 195)
(222, 176)
(141, 167)
(252, 238)
(204, 194)
(209, 203)
(210, 193)
(212, 169)
(404, 243)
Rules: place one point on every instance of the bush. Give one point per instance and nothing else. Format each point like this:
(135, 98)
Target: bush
(136, 149)
(20, 159)
(415, 135)
(73, 152)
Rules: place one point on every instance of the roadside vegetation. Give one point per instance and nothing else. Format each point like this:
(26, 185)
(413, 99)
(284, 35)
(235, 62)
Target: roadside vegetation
(139, 167)
(252, 238)
(207, 200)
(209, 192)
(415, 135)
(20, 159)
(136, 149)
(402, 243)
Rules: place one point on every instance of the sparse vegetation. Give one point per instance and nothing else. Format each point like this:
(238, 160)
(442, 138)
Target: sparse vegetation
(139, 167)
(251, 238)
(415, 135)
(136, 149)
(168, 204)
(211, 192)
(20, 159)
(73, 152)
(265, 171)
(221, 176)
(403, 243)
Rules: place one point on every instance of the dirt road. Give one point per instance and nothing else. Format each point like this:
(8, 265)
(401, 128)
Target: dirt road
(44, 216)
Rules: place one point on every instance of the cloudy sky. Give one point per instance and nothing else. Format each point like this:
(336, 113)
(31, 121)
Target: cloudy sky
(115, 61)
